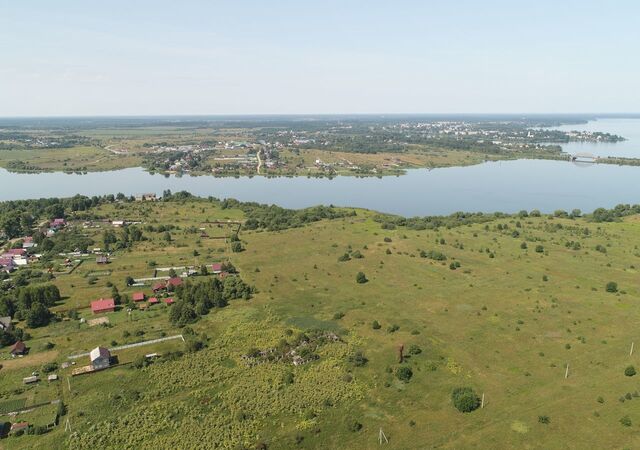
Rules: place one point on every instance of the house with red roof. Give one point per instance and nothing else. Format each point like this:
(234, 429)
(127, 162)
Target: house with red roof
(138, 296)
(175, 282)
(58, 223)
(18, 426)
(169, 301)
(158, 287)
(104, 305)
(7, 264)
(19, 348)
(153, 300)
(17, 251)
(216, 267)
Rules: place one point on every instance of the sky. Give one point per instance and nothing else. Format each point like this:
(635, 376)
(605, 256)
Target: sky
(76, 58)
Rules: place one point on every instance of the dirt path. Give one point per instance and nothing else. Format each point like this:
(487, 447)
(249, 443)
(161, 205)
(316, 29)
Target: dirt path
(259, 161)
(137, 344)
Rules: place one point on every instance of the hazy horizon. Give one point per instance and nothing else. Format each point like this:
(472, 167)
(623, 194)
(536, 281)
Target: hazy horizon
(73, 59)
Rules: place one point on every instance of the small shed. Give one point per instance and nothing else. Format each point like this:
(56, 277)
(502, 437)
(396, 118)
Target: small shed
(52, 377)
(31, 379)
(100, 358)
(102, 260)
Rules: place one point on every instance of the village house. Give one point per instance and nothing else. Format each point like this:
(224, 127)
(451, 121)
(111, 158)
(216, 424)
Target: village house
(7, 264)
(5, 323)
(103, 305)
(158, 287)
(102, 260)
(18, 426)
(100, 358)
(168, 301)
(17, 252)
(174, 282)
(138, 297)
(153, 301)
(117, 223)
(57, 223)
(27, 243)
(18, 349)
(216, 268)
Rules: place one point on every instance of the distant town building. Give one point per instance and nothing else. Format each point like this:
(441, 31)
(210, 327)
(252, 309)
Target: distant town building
(145, 197)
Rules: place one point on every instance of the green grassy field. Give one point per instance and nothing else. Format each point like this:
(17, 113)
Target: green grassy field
(73, 159)
(506, 322)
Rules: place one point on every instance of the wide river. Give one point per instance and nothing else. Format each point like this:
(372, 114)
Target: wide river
(506, 186)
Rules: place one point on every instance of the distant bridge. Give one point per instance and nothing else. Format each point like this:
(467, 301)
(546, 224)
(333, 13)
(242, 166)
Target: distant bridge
(583, 158)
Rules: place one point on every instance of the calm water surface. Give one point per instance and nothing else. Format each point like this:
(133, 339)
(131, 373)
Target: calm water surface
(506, 186)
(627, 128)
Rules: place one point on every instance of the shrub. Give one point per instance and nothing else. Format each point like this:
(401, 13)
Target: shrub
(465, 399)
(626, 421)
(355, 426)
(361, 278)
(630, 371)
(544, 419)
(414, 349)
(392, 328)
(338, 316)
(539, 249)
(288, 378)
(358, 359)
(376, 325)
(49, 367)
(612, 287)
(404, 373)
